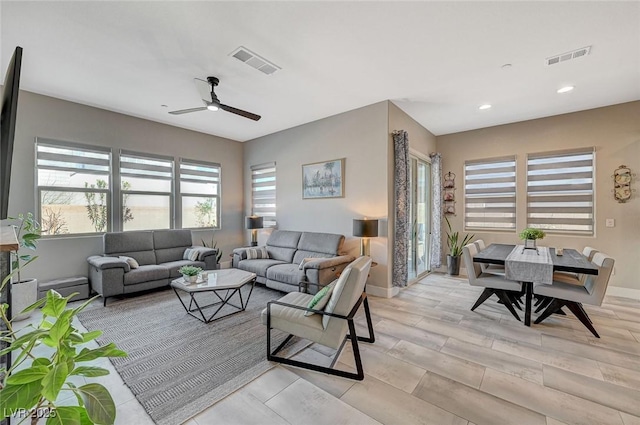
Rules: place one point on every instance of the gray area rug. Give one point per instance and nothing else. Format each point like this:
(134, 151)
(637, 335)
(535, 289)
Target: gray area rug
(178, 366)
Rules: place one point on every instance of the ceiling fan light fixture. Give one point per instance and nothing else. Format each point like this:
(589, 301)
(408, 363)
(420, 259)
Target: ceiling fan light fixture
(485, 106)
(212, 107)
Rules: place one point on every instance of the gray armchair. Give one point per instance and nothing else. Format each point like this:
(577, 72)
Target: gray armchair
(573, 296)
(505, 290)
(327, 327)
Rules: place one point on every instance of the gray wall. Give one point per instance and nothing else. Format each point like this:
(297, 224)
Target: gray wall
(360, 136)
(615, 133)
(42, 116)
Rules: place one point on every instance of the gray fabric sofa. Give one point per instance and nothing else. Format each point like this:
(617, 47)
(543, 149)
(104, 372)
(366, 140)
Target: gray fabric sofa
(159, 254)
(287, 249)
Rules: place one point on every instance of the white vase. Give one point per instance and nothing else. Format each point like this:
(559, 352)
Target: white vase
(23, 294)
(190, 279)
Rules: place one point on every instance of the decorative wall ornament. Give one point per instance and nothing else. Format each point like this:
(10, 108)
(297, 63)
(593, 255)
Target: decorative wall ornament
(436, 212)
(449, 193)
(622, 178)
(323, 179)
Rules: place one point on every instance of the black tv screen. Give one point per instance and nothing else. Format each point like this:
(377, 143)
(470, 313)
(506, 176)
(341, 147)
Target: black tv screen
(8, 127)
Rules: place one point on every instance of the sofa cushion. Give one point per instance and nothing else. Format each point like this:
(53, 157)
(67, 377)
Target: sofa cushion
(327, 243)
(190, 254)
(133, 264)
(165, 255)
(280, 253)
(287, 273)
(173, 266)
(119, 242)
(257, 253)
(258, 267)
(163, 239)
(146, 273)
(144, 258)
(284, 239)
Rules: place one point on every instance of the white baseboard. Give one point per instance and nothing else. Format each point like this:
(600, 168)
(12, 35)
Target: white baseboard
(617, 291)
(378, 291)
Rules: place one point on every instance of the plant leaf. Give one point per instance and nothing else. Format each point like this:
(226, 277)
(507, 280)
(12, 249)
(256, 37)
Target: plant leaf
(66, 415)
(35, 305)
(90, 371)
(90, 336)
(61, 326)
(100, 406)
(55, 304)
(23, 396)
(33, 373)
(41, 361)
(109, 350)
(53, 381)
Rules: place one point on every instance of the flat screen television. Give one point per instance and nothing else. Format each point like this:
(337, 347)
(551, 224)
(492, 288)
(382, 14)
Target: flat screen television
(8, 127)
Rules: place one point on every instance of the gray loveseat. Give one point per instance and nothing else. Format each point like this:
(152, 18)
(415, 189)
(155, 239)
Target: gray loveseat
(287, 250)
(159, 254)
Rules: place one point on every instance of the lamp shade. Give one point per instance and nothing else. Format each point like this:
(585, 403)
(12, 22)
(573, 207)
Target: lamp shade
(365, 228)
(254, 222)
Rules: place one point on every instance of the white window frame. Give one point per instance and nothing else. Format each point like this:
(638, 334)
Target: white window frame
(215, 178)
(58, 144)
(264, 188)
(484, 204)
(573, 190)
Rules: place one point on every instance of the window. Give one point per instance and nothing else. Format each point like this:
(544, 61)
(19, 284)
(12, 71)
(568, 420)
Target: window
(73, 187)
(263, 192)
(146, 187)
(490, 194)
(560, 191)
(200, 194)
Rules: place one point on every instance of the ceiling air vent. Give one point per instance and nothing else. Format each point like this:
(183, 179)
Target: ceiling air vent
(254, 60)
(583, 51)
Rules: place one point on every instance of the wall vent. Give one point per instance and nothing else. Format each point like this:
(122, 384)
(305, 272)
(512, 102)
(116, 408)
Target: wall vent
(254, 60)
(583, 51)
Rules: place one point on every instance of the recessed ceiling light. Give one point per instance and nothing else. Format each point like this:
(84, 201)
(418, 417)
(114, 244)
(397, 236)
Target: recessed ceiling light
(506, 66)
(485, 106)
(164, 106)
(565, 89)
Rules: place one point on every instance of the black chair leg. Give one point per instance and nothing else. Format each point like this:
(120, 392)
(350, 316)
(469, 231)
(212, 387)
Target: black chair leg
(556, 304)
(544, 303)
(507, 303)
(514, 299)
(483, 297)
(578, 311)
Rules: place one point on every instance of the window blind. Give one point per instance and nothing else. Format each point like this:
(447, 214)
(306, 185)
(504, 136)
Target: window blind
(490, 194)
(560, 191)
(263, 192)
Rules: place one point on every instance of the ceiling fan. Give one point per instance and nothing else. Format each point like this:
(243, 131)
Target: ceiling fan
(208, 95)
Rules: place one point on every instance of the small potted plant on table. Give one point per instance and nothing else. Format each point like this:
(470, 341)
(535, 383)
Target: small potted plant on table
(190, 273)
(530, 235)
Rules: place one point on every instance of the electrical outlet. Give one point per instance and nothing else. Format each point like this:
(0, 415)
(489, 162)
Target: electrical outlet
(610, 222)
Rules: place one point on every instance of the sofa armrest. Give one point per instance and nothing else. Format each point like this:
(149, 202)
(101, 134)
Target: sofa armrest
(204, 252)
(239, 254)
(325, 263)
(103, 263)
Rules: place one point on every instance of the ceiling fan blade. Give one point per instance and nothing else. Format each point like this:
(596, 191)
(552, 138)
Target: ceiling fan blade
(204, 89)
(240, 112)
(187, 111)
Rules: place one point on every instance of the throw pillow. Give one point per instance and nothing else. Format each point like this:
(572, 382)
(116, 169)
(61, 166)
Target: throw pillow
(335, 295)
(257, 253)
(190, 254)
(320, 299)
(131, 261)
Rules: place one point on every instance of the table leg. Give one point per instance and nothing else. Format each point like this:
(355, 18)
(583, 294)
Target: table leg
(528, 289)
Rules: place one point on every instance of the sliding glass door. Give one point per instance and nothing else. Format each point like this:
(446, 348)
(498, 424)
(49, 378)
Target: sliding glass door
(420, 214)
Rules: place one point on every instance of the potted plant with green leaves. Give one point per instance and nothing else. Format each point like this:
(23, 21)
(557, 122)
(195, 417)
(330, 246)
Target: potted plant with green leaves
(455, 243)
(24, 291)
(530, 235)
(32, 387)
(190, 273)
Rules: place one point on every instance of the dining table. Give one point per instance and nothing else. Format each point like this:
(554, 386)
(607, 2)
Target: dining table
(570, 261)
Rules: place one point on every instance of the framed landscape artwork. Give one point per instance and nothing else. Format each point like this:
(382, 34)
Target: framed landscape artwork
(323, 179)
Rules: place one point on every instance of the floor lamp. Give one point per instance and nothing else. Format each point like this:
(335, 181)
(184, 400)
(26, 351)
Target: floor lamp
(366, 229)
(254, 223)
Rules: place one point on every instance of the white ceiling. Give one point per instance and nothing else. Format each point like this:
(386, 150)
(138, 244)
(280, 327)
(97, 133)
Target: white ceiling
(438, 61)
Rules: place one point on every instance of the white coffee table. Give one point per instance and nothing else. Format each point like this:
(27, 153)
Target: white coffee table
(224, 284)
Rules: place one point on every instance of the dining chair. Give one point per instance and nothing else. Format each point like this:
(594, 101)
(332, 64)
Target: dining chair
(504, 289)
(488, 268)
(573, 296)
(331, 327)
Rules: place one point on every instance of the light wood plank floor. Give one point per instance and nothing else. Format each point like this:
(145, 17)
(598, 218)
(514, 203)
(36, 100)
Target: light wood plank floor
(436, 362)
